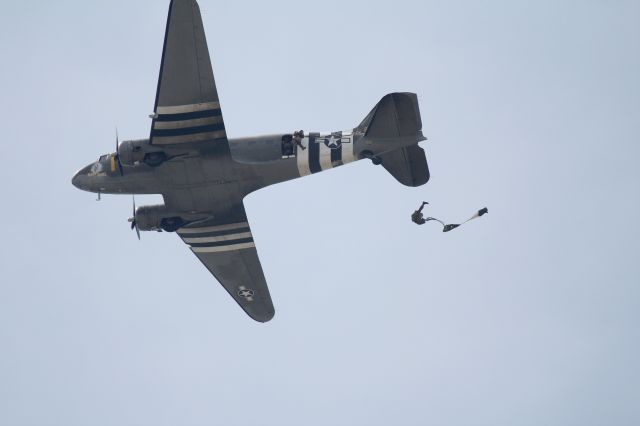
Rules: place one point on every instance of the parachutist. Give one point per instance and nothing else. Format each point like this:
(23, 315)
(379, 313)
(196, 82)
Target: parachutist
(416, 216)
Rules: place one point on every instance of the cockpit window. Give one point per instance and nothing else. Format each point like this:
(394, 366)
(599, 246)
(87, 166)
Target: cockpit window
(103, 157)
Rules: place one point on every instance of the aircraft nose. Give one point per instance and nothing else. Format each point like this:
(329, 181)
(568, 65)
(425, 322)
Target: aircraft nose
(80, 179)
(76, 180)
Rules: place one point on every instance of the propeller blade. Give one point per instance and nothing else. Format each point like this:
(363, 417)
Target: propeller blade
(133, 220)
(119, 165)
(118, 154)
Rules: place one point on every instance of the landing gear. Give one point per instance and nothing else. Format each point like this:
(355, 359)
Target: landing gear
(171, 224)
(374, 158)
(154, 159)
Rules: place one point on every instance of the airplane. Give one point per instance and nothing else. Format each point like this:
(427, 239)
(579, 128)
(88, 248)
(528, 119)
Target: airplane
(203, 176)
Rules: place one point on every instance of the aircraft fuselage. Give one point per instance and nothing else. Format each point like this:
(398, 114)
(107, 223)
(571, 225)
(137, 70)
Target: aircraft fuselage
(255, 162)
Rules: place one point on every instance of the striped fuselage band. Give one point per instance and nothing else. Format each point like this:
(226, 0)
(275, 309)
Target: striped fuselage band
(187, 123)
(324, 152)
(221, 238)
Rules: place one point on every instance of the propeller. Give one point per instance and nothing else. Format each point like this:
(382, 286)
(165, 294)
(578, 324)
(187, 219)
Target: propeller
(134, 222)
(118, 154)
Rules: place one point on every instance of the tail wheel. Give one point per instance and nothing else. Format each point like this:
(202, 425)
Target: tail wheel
(369, 155)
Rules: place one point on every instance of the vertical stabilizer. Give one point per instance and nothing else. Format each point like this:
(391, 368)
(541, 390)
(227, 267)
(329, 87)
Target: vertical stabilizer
(396, 115)
(391, 132)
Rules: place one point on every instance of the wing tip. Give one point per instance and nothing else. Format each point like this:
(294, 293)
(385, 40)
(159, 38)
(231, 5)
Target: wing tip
(262, 317)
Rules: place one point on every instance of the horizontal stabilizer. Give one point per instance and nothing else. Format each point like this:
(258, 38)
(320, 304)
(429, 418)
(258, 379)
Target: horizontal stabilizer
(408, 165)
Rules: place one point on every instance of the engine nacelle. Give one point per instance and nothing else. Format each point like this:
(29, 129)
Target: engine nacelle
(140, 151)
(159, 218)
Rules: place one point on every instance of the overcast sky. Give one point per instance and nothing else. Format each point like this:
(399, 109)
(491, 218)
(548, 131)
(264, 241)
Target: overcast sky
(528, 316)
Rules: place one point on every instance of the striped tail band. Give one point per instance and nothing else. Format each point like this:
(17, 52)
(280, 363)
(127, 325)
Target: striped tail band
(325, 152)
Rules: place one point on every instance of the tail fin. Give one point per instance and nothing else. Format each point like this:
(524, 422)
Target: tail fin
(396, 115)
(408, 165)
(392, 131)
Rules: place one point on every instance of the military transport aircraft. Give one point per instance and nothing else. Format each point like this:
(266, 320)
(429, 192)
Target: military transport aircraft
(203, 176)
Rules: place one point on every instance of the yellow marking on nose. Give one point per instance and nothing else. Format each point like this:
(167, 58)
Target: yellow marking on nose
(113, 164)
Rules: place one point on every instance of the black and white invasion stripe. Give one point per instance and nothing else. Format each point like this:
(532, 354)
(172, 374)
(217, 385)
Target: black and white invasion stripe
(220, 238)
(319, 156)
(187, 123)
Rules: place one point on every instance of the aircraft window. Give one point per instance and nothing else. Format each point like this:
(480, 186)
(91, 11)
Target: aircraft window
(103, 157)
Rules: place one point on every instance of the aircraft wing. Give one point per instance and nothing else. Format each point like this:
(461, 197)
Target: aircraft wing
(187, 108)
(228, 251)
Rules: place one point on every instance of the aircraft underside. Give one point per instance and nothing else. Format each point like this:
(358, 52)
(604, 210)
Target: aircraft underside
(203, 176)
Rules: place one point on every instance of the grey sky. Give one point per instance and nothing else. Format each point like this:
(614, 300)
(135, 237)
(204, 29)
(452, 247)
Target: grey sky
(528, 316)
